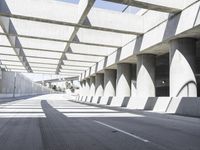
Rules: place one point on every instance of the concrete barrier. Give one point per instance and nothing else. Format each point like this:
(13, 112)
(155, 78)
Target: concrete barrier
(189, 106)
(162, 104)
(117, 101)
(104, 100)
(143, 103)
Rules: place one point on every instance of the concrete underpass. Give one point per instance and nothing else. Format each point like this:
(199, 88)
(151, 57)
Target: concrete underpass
(99, 74)
(58, 123)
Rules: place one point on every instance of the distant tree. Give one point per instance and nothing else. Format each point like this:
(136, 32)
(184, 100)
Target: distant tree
(54, 87)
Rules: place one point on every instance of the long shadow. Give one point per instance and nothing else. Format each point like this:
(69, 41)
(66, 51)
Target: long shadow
(189, 106)
(60, 132)
(109, 100)
(125, 101)
(151, 101)
(51, 128)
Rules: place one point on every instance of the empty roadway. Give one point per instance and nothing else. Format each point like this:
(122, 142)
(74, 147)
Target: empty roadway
(53, 123)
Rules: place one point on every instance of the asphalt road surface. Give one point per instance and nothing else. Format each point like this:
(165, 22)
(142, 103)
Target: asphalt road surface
(54, 124)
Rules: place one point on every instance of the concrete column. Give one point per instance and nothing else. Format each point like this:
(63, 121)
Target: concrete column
(82, 87)
(92, 85)
(182, 68)
(99, 84)
(133, 80)
(109, 82)
(146, 75)
(123, 87)
(87, 87)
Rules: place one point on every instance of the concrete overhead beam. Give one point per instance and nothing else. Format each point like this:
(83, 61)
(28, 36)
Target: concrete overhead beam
(97, 19)
(58, 80)
(84, 8)
(8, 27)
(59, 40)
(170, 6)
(176, 26)
(46, 50)
(114, 21)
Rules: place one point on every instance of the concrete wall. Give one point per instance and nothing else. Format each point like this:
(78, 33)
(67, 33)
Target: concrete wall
(15, 84)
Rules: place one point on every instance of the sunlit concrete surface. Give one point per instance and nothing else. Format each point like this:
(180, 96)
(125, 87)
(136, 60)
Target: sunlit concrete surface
(51, 122)
(137, 72)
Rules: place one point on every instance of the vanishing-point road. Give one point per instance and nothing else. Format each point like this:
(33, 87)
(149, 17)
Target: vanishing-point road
(44, 123)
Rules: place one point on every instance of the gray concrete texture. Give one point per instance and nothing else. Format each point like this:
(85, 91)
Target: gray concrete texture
(123, 83)
(16, 84)
(109, 82)
(146, 64)
(99, 84)
(182, 68)
(53, 124)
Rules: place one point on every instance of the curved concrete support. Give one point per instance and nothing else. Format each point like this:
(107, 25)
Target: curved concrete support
(99, 84)
(182, 68)
(133, 80)
(109, 82)
(81, 88)
(92, 85)
(146, 75)
(87, 86)
(123, 87)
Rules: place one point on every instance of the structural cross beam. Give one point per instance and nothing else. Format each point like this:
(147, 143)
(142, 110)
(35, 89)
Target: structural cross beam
(60, 40)
(8, 27)
(85, 6)
(95, 21)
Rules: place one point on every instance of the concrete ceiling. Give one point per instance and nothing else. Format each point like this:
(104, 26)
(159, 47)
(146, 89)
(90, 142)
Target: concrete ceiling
(68, 39)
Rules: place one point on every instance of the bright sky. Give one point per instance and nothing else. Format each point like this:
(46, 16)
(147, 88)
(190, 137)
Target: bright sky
(98, 4)
(108, 5)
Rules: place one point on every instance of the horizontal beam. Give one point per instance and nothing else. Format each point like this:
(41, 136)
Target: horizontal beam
(58, 80)
(51, 58)
(7, 26)
(53, 51)
(151, 42)
(58, 40)
(84, 54)
(84, 8)
(30, 62)
(52, 63)
(106, 25)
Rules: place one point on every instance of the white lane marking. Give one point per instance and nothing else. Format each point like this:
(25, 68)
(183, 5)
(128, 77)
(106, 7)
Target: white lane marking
(122, 131)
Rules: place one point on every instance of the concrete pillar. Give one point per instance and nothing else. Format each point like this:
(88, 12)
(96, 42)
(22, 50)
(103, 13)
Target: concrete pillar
(99, 84)
(92, 85)
(82, 87)
(87, 87)
(109, 82)
(123, 87)
(182, 68)
(133, 80)
(146, 75)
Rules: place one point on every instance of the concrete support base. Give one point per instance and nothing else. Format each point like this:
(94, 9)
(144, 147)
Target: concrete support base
(87, 87)
(123, 87)
(92, 86)
(182, 68)
(146, 75)
(99, 84)
(109, 82)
